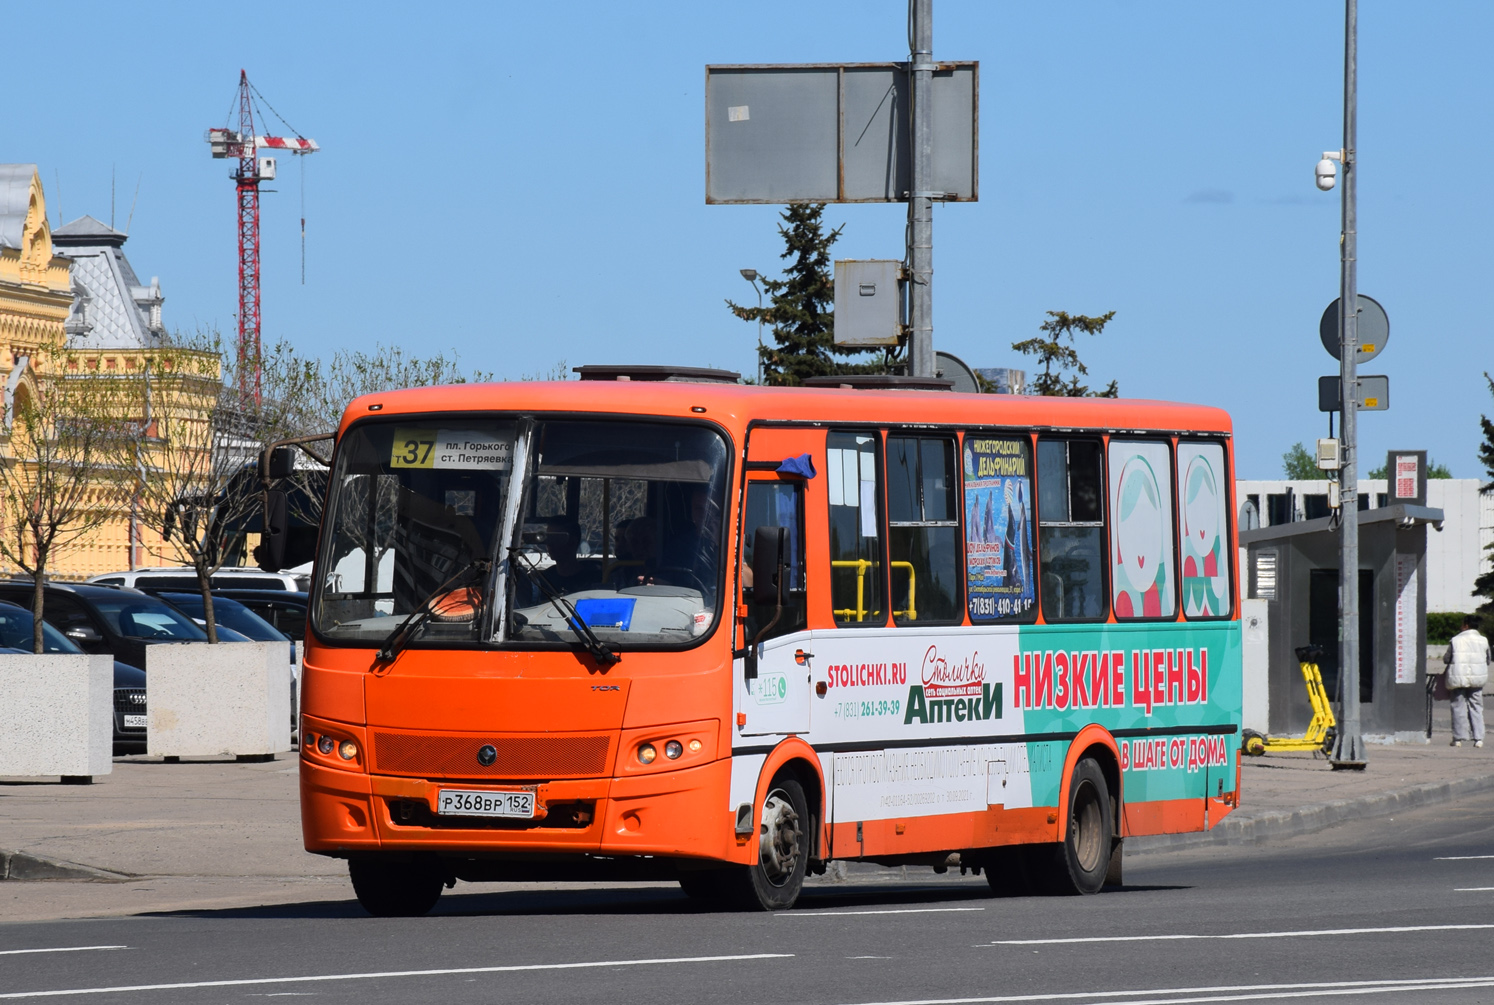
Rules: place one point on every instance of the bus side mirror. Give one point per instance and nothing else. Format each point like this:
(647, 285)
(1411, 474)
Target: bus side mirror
(271, 551)
(768, 560)
(282, 463)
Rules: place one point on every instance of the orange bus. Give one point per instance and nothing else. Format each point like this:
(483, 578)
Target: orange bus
(656, 624)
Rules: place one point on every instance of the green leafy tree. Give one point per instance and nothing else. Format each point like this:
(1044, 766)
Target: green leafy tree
(1300, 466)
(1483, 586)
(802, 312)
(1056, 357)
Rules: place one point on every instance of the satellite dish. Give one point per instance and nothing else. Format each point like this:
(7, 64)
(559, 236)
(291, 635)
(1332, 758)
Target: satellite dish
(951, 367)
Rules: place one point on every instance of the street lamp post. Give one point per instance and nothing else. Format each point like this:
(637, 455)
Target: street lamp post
(1348, 748)
(751, 276)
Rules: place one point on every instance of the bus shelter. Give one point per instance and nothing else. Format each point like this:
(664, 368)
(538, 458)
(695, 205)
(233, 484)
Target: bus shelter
(1294, 568)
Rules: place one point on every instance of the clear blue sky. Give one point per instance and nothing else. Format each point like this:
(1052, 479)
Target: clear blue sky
(525, 183)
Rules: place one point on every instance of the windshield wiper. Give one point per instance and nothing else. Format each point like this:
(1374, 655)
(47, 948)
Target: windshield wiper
(401, 636)
(598, 649)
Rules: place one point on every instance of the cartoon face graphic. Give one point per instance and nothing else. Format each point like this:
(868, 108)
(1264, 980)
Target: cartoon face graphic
(1138, 536)
(1200, 508)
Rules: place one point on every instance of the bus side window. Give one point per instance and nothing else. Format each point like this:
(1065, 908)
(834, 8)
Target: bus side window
(1071, 530)
(1203, 511)
(775, 504)
(998, 503)
(1142, 577)
(923, 529)
(855, 529)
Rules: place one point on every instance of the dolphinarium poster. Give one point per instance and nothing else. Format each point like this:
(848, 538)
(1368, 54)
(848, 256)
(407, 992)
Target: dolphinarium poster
(998, 528)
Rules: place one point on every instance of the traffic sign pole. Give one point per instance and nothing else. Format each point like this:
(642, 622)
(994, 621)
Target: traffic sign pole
(1348, 748)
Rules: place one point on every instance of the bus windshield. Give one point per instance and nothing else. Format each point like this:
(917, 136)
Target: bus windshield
(416, 508)
(619, 525)
(621, 521)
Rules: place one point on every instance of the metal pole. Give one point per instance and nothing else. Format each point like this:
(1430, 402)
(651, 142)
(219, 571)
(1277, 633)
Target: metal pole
(1348, 749)
(759, 331)
(920, 201)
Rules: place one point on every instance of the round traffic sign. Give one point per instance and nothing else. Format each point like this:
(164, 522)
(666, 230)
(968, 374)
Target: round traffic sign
(1373, 328)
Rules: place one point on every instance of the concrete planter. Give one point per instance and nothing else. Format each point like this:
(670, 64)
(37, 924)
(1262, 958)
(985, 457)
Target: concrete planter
(59, 716)
(229, 699)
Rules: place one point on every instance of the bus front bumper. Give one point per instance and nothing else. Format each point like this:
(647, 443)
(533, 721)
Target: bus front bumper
(680, 813)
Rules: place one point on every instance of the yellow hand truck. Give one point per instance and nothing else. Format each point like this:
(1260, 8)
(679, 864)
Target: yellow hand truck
(1320, 731)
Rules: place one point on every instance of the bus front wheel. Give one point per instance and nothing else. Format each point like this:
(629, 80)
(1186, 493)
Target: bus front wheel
(773, 882)
(1083, 857)
(395, 889)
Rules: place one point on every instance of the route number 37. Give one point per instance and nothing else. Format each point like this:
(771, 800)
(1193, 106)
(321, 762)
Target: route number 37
(412, 448)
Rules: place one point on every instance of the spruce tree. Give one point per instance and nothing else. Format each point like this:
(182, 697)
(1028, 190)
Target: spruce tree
(802, 312)
(1483, 586)
(1051, 353)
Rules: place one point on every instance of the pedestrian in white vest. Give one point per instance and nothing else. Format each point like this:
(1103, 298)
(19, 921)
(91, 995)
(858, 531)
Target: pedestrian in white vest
(1467, 662)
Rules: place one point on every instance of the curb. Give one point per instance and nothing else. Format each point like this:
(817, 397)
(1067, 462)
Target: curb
(1311, 819)
(19, 866)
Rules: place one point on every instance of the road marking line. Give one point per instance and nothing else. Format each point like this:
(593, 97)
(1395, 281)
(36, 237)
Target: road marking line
(59, 949)
(1220, 993)
(250, 981)
(1459, 858)
(1241, 935)
(1473, 889)
(908, 910)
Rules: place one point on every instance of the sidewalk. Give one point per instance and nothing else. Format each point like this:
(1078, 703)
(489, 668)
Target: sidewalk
(205, 835)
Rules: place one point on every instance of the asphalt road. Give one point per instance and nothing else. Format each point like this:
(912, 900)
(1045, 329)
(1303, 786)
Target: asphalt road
(1394, 910)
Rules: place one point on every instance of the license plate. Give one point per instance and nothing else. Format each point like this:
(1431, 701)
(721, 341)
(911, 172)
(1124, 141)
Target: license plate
(466, 803)
(136, 721)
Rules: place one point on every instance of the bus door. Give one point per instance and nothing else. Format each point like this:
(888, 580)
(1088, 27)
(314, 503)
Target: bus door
(773, 656)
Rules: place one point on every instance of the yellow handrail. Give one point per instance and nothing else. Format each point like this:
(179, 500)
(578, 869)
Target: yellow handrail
(861, 565)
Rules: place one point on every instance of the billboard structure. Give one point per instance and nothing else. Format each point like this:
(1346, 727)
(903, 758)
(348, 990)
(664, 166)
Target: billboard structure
(835, 132)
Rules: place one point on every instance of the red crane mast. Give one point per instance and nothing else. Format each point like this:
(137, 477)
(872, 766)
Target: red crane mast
(244, 144)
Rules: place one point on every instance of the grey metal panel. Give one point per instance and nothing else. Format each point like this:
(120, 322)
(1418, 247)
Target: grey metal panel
(784, 150)
(875, 146)
(868, 302)
(834, 132)
(956, 131)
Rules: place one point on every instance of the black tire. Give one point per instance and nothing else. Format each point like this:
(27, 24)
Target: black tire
(708, 885)
(1010, 871)
(395, 889)
(1083, 857)
(775, 880)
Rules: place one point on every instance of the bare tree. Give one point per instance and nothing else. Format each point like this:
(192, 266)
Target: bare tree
(63, 478)
(198, 440)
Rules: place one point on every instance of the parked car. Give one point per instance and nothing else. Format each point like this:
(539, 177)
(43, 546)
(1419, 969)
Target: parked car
(285, 610)
(185, 578)
(229, 613)
(129, 682)
(112, 619)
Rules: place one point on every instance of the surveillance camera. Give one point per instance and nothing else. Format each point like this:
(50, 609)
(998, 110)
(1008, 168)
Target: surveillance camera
(1327, 174)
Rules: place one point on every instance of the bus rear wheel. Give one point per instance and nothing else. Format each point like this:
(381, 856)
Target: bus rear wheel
(395, 889)
(1083, 856)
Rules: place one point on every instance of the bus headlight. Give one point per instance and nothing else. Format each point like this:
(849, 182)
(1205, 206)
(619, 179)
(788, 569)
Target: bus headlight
(673, 750)
(347, 750)
(647, 753)
(325, 744)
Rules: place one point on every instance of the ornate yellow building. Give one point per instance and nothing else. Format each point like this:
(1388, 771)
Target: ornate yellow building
(74, 290)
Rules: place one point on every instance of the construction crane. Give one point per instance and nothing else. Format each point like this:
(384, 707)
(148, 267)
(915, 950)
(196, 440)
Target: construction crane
(245, 145)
